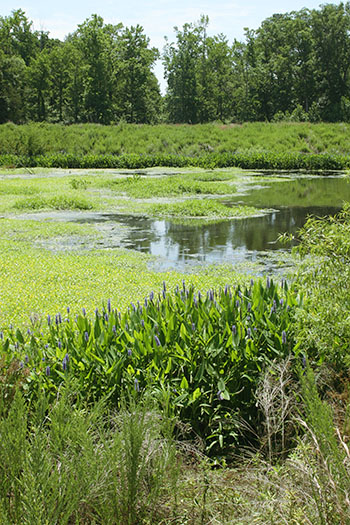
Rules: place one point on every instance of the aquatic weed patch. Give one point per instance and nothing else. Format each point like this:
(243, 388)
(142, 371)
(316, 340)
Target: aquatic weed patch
(206, 208)
(200, 355)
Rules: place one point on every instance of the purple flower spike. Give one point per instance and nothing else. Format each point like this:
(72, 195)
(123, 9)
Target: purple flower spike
(21, 365)
(43, 358)
(64, 365)
(28, 332)
(59, 344)
(86, 336)
(193, 327)
(68, 310)
(268, 282)
(57, 320)
(26, 359)
(151, 296)
(249, 333)
(114, 330)
(48, 320)
(281, 302)
(284, 337)
(109, 305)
(96, 312)
(251, 282)
(136, 385)
(164, 286)
(142, 323)
(237, 303)
(239, 293)
(47, 371)
(220, 396)
(129, 352)
(156, 338)
(66, 357)
(164, 294)
(249, 307)
(234, 329)
(84, 312)
(146, 302)
(106, 318)
(1, 335)
(226, 289)
(46, 346)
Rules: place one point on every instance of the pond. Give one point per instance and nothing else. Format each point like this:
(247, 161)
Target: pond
(287, 199)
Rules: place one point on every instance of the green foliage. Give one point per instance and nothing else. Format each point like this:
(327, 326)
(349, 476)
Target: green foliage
(60, 202)
(201, 208)
(62, 463)
(258, 161)
(324, 327)
(199, 356)
(329, 465)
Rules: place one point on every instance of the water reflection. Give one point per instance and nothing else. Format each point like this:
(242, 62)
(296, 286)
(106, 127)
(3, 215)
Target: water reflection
(178, 245)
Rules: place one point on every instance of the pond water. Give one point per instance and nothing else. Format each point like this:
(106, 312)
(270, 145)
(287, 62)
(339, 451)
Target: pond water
(287, 203)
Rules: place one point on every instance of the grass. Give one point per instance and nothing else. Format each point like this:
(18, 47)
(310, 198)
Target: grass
(38, 139)
(201, 208)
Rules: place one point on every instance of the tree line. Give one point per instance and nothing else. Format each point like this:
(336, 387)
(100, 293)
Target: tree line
(295, 66)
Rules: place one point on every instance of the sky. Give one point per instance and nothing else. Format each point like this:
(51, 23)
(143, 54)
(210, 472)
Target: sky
(158, 17)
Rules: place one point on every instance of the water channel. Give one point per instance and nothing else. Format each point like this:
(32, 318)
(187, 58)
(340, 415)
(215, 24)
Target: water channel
(288, 200)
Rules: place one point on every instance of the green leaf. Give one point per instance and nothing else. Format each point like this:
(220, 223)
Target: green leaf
(184, 383)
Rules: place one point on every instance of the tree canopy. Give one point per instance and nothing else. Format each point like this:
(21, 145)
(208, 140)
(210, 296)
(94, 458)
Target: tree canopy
(295, 66)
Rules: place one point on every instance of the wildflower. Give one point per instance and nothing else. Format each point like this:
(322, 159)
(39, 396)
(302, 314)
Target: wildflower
(68, 310)
(142, 323)
(64, 364)
(156, 338)
(249, 307)
(96, 312)
(199, 296)
(268, 282)
(47, 371)
(136, 385)
(284, 337)
(164, 294)
(234, 329)
(106, 318)
(249, 333)
(21, 365)
(109, 305)
(193, 327)
(86, 336)
(146, 303)
(28, 331)
(129, 352)
(114, 330)
(43, 358)
(239, 294)
(251, 282)
(1, 335)
(46, 346)
(84, 312)
(59, 344)
(26, 359)
(66, 357)
(151, 296)
(237, 303)
(281, 302)
(226, 290)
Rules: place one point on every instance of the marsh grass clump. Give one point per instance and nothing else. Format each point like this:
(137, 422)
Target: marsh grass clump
(65, 462)
(59, 202)
(205, 208)
(176, 185)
